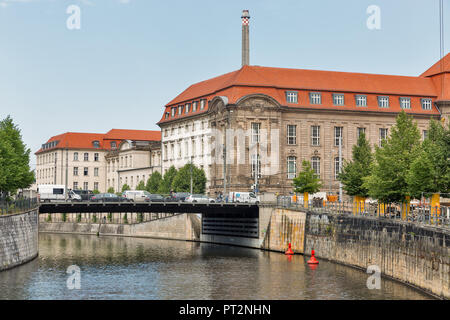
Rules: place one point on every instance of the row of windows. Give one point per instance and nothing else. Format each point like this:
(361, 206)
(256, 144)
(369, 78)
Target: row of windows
(85, 171)
(186, 108)
(360, 100)
(315, 134)
(193, 149)
(187, 126)
(85, 156)
(85, 185)
(315, 164)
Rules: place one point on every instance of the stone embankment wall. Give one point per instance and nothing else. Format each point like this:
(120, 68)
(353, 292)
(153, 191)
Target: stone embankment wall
(414, 254)
(18, 239)
(177, 227)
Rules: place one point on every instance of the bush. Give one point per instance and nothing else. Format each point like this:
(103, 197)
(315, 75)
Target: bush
(111, 190)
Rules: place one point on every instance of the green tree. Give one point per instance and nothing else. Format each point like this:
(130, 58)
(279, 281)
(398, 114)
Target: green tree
(353, 172)
(430, 171)
(182, 180)
(14, 157)
(166, 184)
(393, 160)
(95, 192)
(141, 185)
(125, 187)
(110, 190)
(154, 182)
(307, 180)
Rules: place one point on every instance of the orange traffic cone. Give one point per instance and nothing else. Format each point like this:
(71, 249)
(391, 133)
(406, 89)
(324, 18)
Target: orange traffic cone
(313, 259)
(289, 250)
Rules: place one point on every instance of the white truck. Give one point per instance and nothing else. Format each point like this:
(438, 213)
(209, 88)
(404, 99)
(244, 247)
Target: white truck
(243, 197)
(55, 192)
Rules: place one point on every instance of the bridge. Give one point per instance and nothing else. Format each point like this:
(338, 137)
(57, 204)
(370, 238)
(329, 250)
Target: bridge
(224, 219)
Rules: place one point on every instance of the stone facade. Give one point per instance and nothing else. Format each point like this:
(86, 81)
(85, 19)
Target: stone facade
(18, 239)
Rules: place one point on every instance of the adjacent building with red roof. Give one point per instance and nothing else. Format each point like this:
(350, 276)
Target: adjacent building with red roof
(99, 161)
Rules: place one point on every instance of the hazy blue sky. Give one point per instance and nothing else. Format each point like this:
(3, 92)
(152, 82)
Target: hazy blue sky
(131, 57)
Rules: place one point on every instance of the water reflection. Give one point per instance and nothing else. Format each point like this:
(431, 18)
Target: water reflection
(133, 268)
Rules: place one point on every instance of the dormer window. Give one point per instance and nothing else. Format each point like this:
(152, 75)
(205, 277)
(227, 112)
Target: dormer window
(96, 144)
(338, 99)
(167, 115)
(188, 108)
(194, 106)
(180, 110)
(383, 102)
(361, 100)
(291, 97)
(315, 98)
(202, 104)
(174, 110)
(113, 145)
(405, 103)
(426, 104)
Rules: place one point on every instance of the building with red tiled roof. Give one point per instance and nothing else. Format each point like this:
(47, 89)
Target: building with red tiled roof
(98, 161)
(301, 113)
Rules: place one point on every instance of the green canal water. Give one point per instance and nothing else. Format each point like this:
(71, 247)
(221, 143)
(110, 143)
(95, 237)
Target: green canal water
(135, 268)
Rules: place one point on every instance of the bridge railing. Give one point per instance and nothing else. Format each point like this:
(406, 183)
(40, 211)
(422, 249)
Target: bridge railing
(425, 214)
(19, 205)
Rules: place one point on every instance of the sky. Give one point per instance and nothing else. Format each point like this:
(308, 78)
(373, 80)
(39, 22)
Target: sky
(131, 57)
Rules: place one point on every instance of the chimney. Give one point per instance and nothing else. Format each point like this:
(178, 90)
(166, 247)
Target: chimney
(245, 38)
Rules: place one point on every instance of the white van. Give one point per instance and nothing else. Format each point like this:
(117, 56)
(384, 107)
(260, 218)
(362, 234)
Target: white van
(55, 192)
(136, 195)
(243, 197)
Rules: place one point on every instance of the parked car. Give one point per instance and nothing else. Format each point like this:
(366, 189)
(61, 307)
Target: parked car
(178, 196)
(108, 197)
(136, 195)
(200, 198)
(154, 198)
(85, 195)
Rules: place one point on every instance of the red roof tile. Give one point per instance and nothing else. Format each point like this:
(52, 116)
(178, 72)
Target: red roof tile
(441, 66)
(141, 135)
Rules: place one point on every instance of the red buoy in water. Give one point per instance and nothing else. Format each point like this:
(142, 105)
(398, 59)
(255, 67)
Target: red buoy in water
(289, 250)
(313, 259)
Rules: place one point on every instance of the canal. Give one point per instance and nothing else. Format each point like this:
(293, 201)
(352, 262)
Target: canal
(136, 268)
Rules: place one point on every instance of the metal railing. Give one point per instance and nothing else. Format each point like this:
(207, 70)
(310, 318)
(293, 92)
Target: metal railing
(437, 216)
(19, 205)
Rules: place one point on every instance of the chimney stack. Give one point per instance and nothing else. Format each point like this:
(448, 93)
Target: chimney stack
(245, 38)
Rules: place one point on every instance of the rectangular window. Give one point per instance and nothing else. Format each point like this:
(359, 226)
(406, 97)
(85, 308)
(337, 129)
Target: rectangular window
(338, 99)
(96, 186)
(426, 104)
(338, 136)
(256, 165)
(291, 97)
(315, 98)
(383, 102)
(361, 100)
(291, 167)
(167, 115)
(359, 131)
(95, 172)
(315, 164)
(75, 171)
(180, 110)
(86, 186)
(202, 104)
(405, 103)
(188, 107)
(194, 106)
(86, 156)
(337, 167)
(86, 171)
(75, 156)
(174, 110)
(424, 134)
(95, 156)
(75, 185)
(383, 135)
(315, 135)
(291, 134)
(256, 127)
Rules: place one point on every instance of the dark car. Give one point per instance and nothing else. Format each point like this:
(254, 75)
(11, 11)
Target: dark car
(108, 197)
(84, 194)
(177, 197)
(154, 198)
